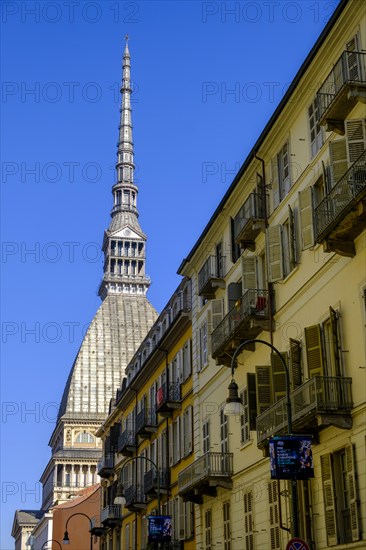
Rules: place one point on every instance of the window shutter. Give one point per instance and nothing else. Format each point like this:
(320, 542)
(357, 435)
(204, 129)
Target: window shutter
(198, 351)
(352, 489)
(274, 253)
(180, 365)
(338, 159)
(354, 70)
(252, 400)
(249, 272)
(355, 132)
(292, 238)
(328, 495)
(304, 489)
(278, 376)
(274, 183)
(306, 218)
(217, 312)
(181, 516)
(295, 363)
(274, 515)
(190, 429)
(335, 340)
(263, 388)
(314, 353)
(171, 444)
(208, 334)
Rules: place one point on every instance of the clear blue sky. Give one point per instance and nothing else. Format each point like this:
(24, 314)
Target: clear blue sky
(207, 75)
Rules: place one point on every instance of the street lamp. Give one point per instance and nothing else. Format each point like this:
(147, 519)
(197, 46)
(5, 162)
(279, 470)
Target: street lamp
(66, 539)
(50, 540)
(234, 406)
(120, 497)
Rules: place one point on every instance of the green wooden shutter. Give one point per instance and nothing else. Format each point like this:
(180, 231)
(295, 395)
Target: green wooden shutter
(306, 218)
(303, 488)
(274, 253)
(314, 353)
(355, 132)
(252, 400)
(275, 182)
(338, 159)
(263, 388)
(292, 238)
(352, 492)
(295, 363)
(274, 515)
(278, 376)
(329, 501)
(335, 341)
(248, 265)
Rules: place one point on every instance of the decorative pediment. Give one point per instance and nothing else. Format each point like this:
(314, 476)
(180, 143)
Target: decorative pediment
(127, 232)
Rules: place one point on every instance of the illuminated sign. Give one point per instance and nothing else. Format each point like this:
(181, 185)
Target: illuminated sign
(291, 457)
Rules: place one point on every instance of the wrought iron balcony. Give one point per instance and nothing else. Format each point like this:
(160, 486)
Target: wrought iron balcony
(248, 318)
(151, 481)
(146, 422)
(342, 89)
(135, 498)
(111, 515)
(320, 402)
(208, 472)
(249, 221)
(211, 276)
(168, 398)
(127, 442)
(341, 216)
(105, 466)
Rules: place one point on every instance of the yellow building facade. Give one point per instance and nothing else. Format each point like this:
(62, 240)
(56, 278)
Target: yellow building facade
(283, 260)
(150, 429)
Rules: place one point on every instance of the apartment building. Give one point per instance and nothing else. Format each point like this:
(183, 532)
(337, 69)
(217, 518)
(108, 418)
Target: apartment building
(148, 436)
(283, 260)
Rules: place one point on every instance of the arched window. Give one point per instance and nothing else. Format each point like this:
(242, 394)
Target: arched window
(84, 437)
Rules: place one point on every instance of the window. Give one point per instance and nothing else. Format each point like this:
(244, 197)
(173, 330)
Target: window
(206, 436)
(281, 249)
(235, 248)
(244, 418)
(84, 437)
(208, 530)
(202, 345)
(187, 432)
(248, 520)
(274, 515)
(322, 344)
(340, 496)
(227, 528)
(281, 180)
(316, 131)
(224, 432)
(186, 360)
(176, 440)
(220, 261)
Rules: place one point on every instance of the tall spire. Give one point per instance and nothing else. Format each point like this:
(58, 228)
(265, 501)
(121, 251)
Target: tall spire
(125, 191)
(124, 242)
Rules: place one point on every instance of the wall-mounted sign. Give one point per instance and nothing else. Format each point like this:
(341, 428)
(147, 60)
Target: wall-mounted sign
(160, 528)
(291, 457)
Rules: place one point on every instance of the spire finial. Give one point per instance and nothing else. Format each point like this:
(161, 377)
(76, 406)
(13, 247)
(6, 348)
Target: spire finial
(127, 37)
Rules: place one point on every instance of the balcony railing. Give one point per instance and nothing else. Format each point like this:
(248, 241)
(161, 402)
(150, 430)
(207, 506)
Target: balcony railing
(168, 398)
(127, 442)
(319, 402)
(135, 497)
(249, 221)
(105, 466)
(245, 320)
(151, 481)
(342, 87)
(204, 475)
(146, 422)
(111, 515)
(341, 200)
(211, 276)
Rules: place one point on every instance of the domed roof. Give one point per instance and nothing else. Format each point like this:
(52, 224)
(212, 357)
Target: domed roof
(115, 333)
